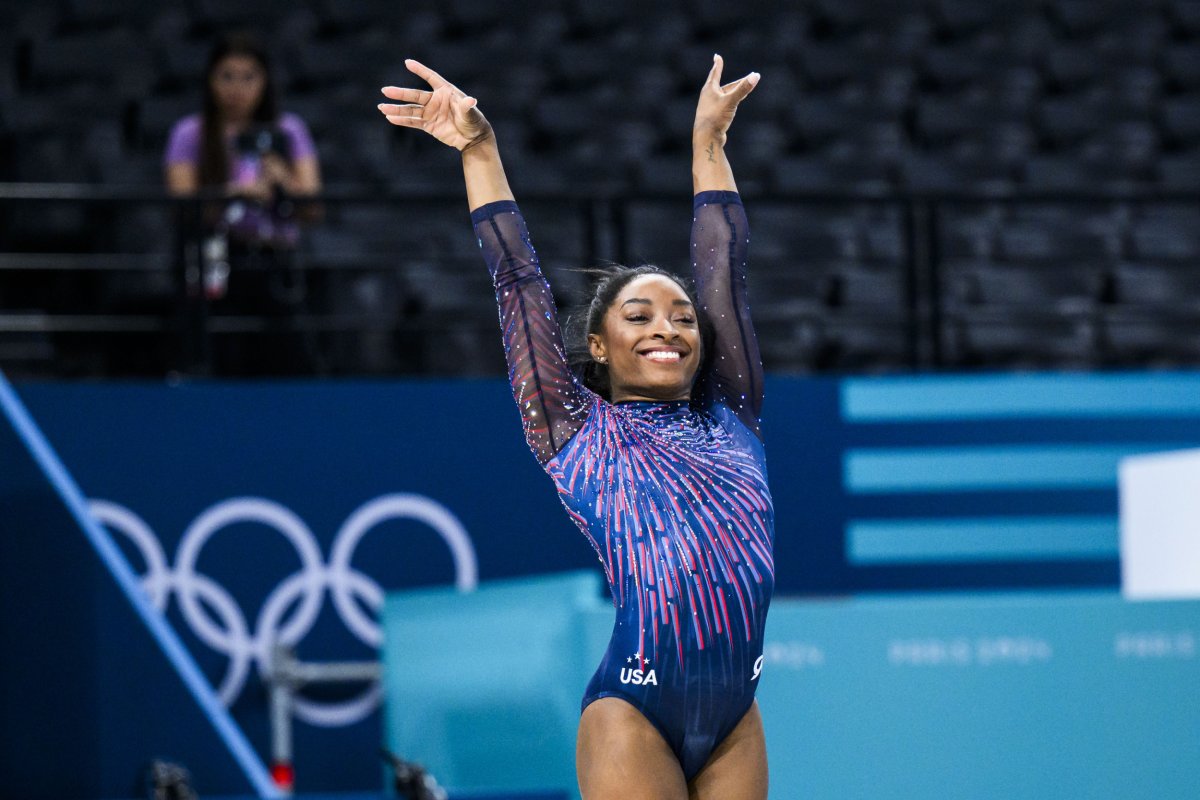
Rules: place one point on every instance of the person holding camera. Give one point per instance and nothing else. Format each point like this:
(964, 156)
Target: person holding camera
(242, 148)
(243, 144)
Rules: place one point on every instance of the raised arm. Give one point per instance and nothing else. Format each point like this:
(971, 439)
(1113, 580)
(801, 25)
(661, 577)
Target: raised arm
(720, 239)
(552, 403)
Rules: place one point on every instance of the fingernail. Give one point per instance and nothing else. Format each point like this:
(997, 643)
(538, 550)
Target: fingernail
(715, 56)
(753, 78)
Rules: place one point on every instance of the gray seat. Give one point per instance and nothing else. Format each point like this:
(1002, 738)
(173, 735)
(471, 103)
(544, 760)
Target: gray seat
(1067, 287)
(116, 60)
(1166, 240)
(1033, 340)
(1181, 118)
(1162, 285)
(1151, 338)
(1180, 171)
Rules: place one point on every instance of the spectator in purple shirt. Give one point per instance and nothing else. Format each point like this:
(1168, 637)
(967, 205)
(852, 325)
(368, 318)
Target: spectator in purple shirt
(242, 142)
(240, 145)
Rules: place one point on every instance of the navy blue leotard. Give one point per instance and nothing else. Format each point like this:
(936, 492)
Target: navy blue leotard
(672, 495)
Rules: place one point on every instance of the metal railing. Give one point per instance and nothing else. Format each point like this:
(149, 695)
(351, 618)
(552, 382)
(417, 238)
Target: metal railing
(60, 304)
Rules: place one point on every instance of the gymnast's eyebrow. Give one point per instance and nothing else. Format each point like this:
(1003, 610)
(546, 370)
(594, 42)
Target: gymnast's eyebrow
(644, 301)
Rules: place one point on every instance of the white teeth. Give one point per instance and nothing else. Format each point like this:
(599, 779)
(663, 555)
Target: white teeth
(662, 355)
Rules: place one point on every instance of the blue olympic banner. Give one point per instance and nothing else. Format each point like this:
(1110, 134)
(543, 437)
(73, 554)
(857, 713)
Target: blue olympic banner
(283, 512)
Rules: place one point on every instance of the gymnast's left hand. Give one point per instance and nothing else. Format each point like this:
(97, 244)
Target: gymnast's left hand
(446, 113)
(718, 104)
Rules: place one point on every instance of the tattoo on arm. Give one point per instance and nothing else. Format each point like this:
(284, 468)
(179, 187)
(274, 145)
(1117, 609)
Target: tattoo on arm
(712, 159)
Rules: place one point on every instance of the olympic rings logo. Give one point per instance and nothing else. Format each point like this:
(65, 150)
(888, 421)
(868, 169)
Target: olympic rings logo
(231, 634)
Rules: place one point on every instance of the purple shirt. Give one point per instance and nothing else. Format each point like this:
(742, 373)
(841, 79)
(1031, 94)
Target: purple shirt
(244, 220)
(183, 147)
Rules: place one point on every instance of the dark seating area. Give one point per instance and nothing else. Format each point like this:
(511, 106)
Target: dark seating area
(931, 184)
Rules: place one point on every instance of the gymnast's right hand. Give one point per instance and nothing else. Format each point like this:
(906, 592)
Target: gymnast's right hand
(446, 113)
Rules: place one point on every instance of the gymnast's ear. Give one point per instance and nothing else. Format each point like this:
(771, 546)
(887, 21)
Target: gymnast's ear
(596, 348)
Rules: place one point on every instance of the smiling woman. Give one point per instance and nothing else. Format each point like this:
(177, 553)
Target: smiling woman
(653, 444)
(664, 324)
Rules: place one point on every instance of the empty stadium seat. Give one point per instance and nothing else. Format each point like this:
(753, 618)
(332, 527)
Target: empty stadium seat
(1071, 64)
(1166, 239)
(1181, 117)
(223, 15)
(968, 234)
(658, 174)
(1064, 121)
(869, 288)
(1067, 287)
(117, 61)
(1165, 286)
(953, 67)
(1156, 338)
(1056, 241)
(1181, 64)
(1031, 340)
(982, 172)
(1133, 146)
(658, 232)
(870, 344)
(816, 174)
(97, 14)
(1180, 171)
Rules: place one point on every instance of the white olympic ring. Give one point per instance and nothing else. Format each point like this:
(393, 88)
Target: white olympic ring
(200, 597)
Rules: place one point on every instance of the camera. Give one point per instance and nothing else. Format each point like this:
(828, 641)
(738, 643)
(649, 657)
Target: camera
(260, 141)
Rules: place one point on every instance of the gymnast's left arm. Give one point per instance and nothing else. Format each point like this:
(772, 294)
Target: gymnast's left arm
(720, 241)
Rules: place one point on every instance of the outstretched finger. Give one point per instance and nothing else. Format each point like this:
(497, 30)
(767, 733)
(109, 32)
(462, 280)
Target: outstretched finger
(738, 90)
(714, 74)
(410, 110)
(406, 95)
(406, 121)
(425, 73)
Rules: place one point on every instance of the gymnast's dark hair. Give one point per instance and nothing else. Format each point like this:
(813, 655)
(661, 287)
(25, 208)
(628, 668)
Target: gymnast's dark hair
(607, 283)
(214, 160)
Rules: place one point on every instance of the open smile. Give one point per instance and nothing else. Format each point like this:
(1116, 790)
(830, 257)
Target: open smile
(663, 355)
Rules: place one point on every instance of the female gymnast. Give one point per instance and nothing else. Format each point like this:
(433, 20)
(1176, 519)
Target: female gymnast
(655, 450)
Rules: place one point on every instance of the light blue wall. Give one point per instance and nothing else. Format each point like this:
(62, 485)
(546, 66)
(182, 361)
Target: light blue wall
(1061, 695)
(990, 697)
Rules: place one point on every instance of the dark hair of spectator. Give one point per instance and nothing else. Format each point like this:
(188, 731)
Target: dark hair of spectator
(214, 156)
(608, 283)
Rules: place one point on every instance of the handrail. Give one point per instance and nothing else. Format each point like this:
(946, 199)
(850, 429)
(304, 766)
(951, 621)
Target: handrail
(354, 192)
(604, 214)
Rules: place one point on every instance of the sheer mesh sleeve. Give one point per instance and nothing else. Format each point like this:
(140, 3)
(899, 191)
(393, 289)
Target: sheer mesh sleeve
(720, 239)
(552, 402)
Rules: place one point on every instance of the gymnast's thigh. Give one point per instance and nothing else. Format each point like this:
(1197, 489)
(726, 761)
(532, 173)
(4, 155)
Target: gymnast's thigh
(620, 755)
(737, 769)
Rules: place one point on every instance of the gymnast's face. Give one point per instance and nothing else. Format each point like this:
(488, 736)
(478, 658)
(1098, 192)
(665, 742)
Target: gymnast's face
(650, 340)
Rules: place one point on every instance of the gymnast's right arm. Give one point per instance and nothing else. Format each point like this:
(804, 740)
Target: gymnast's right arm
(552, 402)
